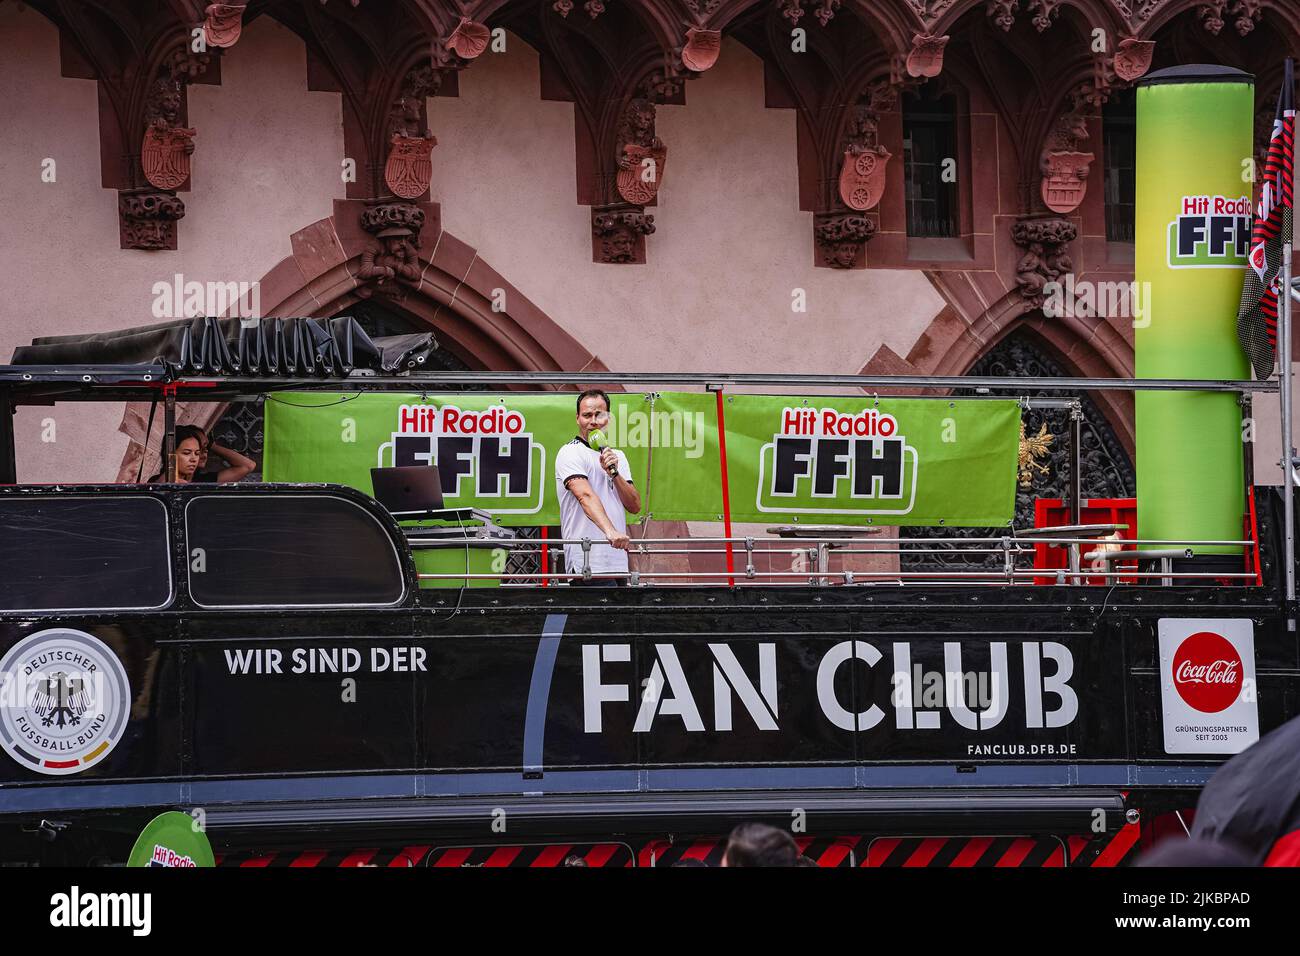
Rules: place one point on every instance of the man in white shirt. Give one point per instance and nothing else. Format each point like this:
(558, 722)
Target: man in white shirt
(592, 501)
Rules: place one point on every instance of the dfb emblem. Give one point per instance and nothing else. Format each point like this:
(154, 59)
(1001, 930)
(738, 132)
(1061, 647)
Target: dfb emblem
(862, 177)
(64, 701)
(1065, 180)
(165, 155)
(641, 172)
(410, 167)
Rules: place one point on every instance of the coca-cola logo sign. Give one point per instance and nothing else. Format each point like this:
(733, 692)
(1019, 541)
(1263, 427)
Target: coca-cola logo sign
(1208, 672)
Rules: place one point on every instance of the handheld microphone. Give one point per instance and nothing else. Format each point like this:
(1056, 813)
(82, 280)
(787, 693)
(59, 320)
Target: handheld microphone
(597, 440)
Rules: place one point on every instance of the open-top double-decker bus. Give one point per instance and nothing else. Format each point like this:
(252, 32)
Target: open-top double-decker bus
(315, 681)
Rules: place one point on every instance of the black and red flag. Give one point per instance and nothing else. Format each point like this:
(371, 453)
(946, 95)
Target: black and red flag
(1261, 293)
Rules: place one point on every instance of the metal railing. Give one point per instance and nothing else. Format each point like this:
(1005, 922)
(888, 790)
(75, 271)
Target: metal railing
(817, 550)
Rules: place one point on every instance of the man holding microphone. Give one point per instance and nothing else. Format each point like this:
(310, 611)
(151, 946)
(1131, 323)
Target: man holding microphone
(594, 487)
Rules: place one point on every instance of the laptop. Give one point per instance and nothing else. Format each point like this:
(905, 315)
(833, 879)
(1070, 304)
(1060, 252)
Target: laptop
(409, 489)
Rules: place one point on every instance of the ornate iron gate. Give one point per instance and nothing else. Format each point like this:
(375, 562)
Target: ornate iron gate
(1106, 472)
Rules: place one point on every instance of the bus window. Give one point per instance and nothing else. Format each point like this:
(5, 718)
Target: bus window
(279, 550)
(81, 552)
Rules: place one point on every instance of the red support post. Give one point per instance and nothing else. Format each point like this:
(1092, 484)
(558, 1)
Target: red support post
(726, 492)
(546, 553)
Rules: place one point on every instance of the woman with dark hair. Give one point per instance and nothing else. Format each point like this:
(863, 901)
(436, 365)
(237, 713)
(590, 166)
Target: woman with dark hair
(192, 449)
(189, 453)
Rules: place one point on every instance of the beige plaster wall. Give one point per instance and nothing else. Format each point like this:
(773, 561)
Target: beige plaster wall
(266, 164)
(731, 245)
(716, 294)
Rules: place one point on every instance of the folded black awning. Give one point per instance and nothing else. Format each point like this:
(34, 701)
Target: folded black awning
(294, 347)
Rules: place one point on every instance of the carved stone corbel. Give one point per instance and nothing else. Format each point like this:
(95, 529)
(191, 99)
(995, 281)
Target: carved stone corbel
(391, 262)
(841, 236)
(619, 231)
(147, 218)
(1044, 239)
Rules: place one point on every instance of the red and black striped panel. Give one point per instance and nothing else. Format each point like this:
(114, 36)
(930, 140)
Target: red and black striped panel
(405, 856)
(1117, 848)
(532, 855)
(962, 852)
(1108, 849)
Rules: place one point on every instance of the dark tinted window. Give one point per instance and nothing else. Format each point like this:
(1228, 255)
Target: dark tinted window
(1119, 137)
(75, 553)
(287, 551)
(929, 164)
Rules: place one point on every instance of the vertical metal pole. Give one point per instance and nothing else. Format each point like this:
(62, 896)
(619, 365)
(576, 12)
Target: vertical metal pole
(169, 435)
(1288, 443)
(1076, 462)
(726, 491)
(1248, 455)
(8, 460)
(546, 558)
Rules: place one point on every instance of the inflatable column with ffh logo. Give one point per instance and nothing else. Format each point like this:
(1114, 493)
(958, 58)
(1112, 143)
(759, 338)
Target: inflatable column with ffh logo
(1194, 149)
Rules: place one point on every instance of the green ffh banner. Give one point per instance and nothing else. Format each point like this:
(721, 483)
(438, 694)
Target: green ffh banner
(493, 452)
(834, 460)
(789, 459)
(1193, 219)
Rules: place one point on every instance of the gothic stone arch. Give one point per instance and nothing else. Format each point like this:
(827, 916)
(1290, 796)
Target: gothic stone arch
(477, 315)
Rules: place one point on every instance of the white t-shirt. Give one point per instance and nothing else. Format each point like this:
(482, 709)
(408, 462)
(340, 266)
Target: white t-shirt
(578, 460)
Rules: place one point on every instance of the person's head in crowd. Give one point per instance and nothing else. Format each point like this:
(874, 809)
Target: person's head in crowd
(574, 860)
(191, 449)
(805, 861)
(1177, 851)
(757, 844)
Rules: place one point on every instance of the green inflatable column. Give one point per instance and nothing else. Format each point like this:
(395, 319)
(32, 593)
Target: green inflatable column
(1194, 141)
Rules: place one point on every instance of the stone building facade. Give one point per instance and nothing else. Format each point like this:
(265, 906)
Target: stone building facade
(703, 185)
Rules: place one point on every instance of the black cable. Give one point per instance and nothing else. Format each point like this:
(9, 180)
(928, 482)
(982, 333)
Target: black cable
(342, 401)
